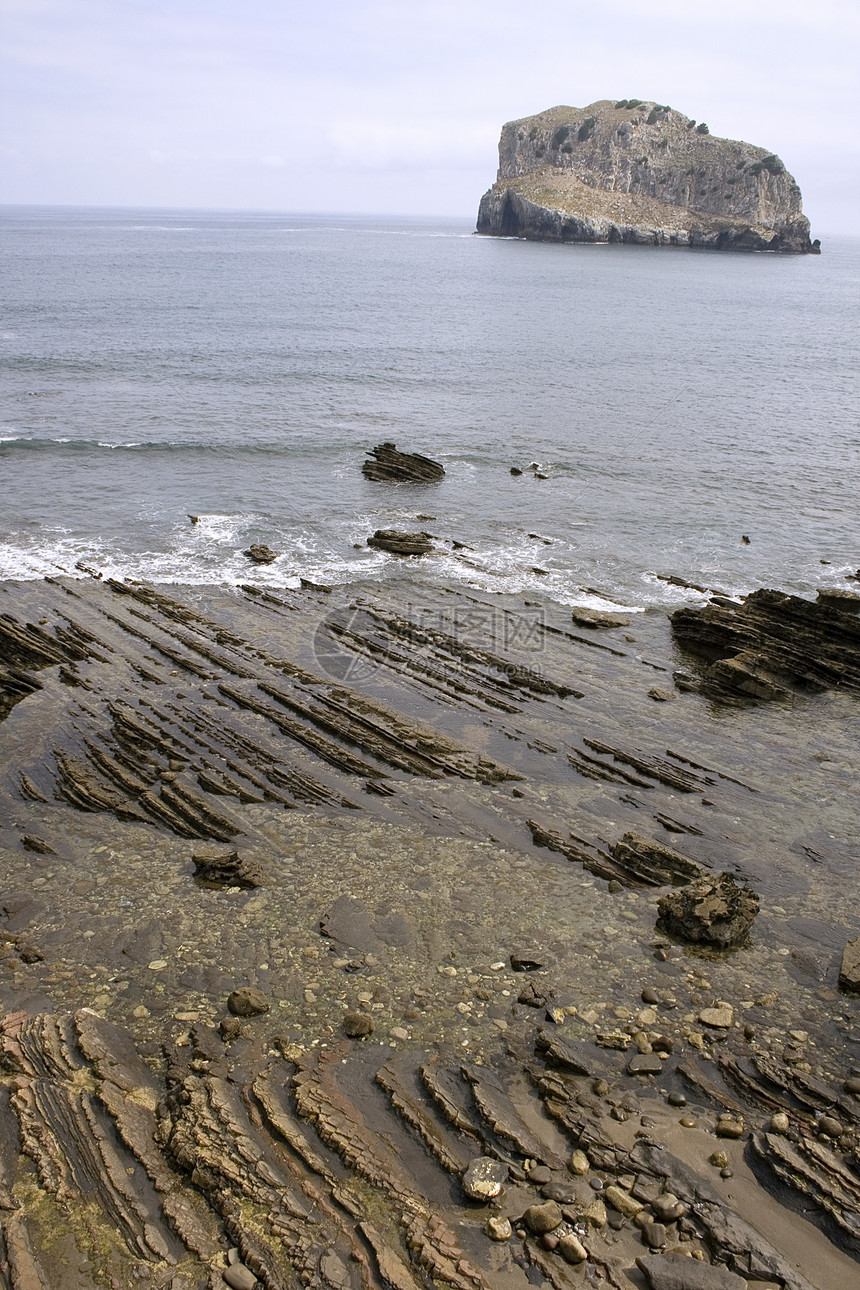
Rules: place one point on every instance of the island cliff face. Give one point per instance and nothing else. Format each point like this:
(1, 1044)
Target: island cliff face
(640, 172)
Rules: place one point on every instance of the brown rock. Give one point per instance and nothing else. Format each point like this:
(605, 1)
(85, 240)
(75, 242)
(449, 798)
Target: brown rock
(248, 1001)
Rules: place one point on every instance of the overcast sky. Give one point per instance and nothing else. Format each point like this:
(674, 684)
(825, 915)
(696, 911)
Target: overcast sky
(351, 105)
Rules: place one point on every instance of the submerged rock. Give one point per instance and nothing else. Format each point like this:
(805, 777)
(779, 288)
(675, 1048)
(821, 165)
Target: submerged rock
(220, 867)
(386, 463)
(715, 911)
(643, 173)
(397, 543)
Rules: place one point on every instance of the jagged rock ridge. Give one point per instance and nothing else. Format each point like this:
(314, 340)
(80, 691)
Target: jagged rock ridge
(640, 172)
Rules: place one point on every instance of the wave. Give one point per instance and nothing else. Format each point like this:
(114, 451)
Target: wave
(66, 443)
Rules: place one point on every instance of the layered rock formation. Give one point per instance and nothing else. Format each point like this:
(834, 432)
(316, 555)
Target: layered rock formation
(640, 172)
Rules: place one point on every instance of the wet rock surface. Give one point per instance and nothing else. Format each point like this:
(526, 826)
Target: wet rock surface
(166, 1140)
(387, 464)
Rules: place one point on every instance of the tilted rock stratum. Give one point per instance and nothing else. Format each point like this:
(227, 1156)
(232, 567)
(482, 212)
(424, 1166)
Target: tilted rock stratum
(640, 172)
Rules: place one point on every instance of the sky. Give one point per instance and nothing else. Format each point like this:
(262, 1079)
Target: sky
(381, 107)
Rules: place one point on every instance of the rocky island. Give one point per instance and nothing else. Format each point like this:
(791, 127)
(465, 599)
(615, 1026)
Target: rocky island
(641, 172)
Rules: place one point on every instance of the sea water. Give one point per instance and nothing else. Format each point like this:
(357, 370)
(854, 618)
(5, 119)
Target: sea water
(238, 367)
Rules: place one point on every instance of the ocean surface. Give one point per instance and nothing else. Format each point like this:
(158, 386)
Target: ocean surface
(238, 367)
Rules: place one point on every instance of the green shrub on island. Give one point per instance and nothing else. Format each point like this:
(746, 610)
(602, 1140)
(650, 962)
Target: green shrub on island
(586, 130)
(690, 124)
(701, 128)
(559, 136)
(533, 132)
(653, 116)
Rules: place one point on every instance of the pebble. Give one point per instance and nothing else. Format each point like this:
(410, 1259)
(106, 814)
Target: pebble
(498, 1229)
(622, 1201)
(687, 1122)
(718, 1159)
(595, 1183)
(247, 1001)
(483, 1179)
(571, 1248)
(779, 1122)
(654, 1235)
(729, 1128)
(595, 1213)
(543, 1218)
(238, 1277)
(645, 1064)
(829, 1125)
(650, 995)
(720, 1017)
(668, 1208)
(356, 1025)
(578, 1163)
(852, 1086)
(676, 1099)
(398, 1032)
(540, 1175)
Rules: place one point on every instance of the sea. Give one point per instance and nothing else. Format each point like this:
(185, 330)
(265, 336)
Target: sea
(675, 414)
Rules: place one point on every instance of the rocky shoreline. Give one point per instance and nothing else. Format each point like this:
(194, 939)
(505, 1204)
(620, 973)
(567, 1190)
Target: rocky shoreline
(337, 951)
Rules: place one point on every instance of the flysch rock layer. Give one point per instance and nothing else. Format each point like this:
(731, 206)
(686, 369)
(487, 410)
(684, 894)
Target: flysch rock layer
(643, 174)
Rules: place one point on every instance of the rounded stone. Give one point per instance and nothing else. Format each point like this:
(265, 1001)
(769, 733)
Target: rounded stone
(718, 1159)
(357, 1025)
(852, 1085)
(238, 1277)
(676, 1099)
(730, 1128)
(484, 1178)
(578, 1163)
(543, 1218)
(498, 1228)
(571, 1248)
(779, 1122)
(654, 1235)
(540, 1175)
(829, 1125)
(248, 1001)
(687, 1122)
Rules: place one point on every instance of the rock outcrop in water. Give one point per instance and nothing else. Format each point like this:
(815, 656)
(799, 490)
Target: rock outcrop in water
(640, 172)
(387, 464)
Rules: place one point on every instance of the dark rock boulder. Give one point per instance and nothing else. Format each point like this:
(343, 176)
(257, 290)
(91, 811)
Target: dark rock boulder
(387, 464)
(715, 910)
(397, 543)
